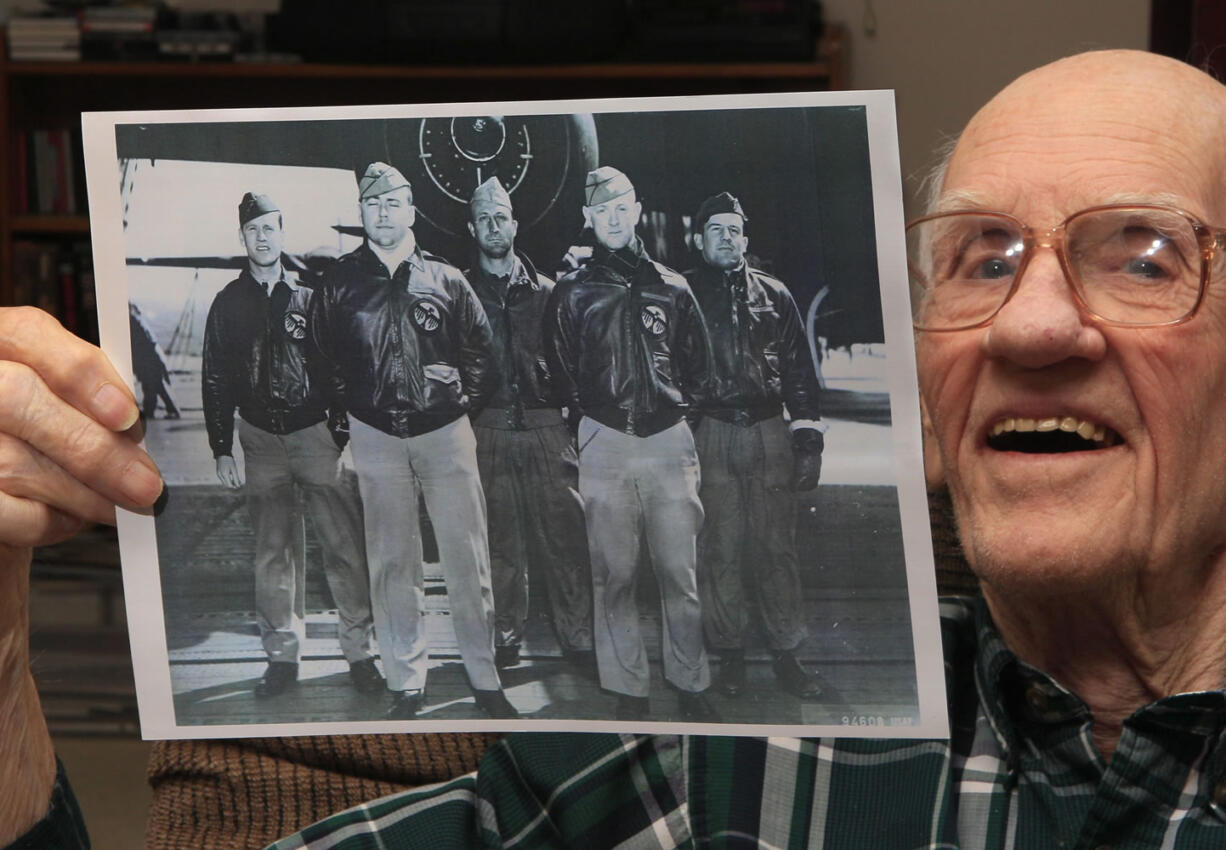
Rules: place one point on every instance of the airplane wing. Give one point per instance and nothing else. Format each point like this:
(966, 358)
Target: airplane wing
(308, 266)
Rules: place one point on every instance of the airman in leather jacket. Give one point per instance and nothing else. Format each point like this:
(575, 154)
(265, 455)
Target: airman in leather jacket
(519, 376)
(761, 355)
(405, 354)
(257, 364)
(644, 358)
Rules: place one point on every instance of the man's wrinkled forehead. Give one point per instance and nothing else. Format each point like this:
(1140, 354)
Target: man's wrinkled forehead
(1075, 132)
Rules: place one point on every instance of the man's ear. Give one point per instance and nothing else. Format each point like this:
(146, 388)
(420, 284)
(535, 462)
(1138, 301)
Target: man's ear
(587, 217)
(472, 231)
(934, 469)
(412, 215)
(698, 241)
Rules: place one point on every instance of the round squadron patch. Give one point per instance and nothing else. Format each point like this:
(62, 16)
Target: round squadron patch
(295, 325)
(654, 319)
(426, 316)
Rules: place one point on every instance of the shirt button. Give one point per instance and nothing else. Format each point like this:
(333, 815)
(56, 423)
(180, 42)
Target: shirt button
(1219, 795)
(1037, 699)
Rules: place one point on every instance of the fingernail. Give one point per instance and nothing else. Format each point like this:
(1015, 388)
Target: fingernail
(114, 408)
(141, 483)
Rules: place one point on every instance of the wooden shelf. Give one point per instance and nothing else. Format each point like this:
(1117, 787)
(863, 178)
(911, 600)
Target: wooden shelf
(826, 66)
(820, 69)
(69, 225)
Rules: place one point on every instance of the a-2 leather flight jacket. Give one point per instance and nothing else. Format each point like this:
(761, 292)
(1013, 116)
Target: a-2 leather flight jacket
(406, 353)
(761, 357)
(626, 344)
(515, 308)
(257, 364)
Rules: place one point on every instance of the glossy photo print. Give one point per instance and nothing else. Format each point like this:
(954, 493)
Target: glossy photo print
(583, 415)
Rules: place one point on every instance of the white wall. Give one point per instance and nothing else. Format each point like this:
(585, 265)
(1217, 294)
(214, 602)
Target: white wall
(945, 58)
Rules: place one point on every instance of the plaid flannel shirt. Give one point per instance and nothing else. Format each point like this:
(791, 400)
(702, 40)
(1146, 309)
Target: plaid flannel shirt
(1020, 771)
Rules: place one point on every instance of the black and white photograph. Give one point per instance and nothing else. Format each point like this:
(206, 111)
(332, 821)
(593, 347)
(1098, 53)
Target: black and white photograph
(583, 415)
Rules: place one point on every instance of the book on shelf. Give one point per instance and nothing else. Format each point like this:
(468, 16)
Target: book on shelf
(44, 39)
(46, 172)
(57, 275)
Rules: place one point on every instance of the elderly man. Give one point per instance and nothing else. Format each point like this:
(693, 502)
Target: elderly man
(629, 355)
(255, 351)
(405, 347)
(1086, 687)
(753, 462)
(528, 465)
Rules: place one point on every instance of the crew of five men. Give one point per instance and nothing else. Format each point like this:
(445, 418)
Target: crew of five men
(578, 414)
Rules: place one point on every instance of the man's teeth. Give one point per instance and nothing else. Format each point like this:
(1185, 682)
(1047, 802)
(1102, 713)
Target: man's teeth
(1084, 428)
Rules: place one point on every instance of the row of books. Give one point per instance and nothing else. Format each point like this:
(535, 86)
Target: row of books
(58, 276)
(44, 39)
(48, 172)
(98, 32)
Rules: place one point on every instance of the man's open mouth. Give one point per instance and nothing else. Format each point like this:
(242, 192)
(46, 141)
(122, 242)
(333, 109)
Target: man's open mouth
(1050, 435)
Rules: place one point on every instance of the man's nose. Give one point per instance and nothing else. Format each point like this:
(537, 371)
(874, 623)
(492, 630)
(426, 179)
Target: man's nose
(1043, 324)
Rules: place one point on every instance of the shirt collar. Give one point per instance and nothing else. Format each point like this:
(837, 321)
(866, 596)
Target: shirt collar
(288, 279)
(1017, 697)
(391, 258)
(519, 276)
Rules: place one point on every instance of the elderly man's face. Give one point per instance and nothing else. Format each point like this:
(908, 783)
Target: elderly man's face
(614, 221)
(1088, 131)
(388, 217)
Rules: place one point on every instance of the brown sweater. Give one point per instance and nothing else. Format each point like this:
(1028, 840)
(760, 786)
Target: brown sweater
(251, 792)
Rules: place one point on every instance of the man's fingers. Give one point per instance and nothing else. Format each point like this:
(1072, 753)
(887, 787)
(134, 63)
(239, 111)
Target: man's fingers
(28, 523)
(73, 369)
(29, 475)
(103, 461)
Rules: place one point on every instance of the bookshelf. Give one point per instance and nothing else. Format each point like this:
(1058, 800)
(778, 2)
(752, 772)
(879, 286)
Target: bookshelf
(51, 96)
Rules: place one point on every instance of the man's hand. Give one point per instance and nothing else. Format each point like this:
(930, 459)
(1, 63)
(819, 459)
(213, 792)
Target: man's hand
(227, 471)
(68, 454)
(68, 449)
(807, 445)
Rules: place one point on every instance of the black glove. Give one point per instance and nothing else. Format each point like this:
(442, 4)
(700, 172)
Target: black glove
(807, 445)
(338, 427)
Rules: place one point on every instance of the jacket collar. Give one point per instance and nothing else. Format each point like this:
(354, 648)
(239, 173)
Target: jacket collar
(288, 280)
(625, 260)
(523, 274)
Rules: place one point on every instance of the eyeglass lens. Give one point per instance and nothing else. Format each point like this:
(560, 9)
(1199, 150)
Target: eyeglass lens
(1129, 265)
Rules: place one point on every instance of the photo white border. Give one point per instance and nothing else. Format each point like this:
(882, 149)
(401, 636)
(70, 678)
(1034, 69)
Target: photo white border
(141, 574)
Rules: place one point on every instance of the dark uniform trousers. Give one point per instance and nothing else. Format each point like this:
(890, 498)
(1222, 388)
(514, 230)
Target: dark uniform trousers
(274, 464)
(748, 541)
(633, 486)
(530, 478)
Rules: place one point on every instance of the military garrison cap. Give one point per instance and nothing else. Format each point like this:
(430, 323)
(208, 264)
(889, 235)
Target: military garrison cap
(490, 192)
(604, 184)
(379, 178)
(254, 206)
(724, 202)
